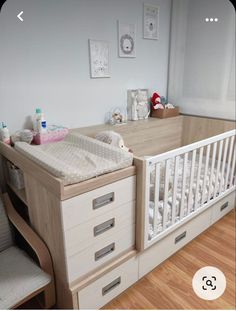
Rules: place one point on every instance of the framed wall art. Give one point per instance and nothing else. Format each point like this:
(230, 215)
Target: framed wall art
(150, 22)
(99, 59)
(127, 40)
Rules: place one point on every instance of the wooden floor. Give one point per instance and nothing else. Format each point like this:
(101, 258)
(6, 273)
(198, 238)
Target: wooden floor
(169, 285)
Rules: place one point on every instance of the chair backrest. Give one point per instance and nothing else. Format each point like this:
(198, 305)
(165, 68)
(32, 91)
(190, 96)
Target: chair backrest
(6, 237)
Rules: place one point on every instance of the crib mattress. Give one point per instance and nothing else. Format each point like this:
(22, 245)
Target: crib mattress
(76, 158)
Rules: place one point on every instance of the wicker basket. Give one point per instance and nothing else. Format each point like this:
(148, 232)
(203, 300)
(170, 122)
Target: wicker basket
(165, 113)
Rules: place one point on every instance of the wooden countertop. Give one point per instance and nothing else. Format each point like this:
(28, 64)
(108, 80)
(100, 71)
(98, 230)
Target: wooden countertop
(144, 137)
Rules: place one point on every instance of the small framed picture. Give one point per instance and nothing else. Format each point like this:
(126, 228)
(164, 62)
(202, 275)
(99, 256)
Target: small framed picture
(138, 106)
(150, 22)
(99, 59)
(127, 40)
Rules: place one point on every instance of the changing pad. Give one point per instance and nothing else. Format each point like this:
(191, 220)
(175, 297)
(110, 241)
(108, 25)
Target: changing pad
(77, 157)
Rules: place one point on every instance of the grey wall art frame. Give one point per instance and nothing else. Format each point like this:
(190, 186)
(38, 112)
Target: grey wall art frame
(99, 59)
(126, 40)
(150, 21)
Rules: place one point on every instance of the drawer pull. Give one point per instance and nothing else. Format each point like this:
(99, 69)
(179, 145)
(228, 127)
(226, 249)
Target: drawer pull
(180, 237)
(104, 251)
(107, 225)
(224, 206)
(111, 286)
(103, 200)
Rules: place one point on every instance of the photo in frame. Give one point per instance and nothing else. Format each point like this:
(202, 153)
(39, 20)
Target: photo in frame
(99, 59)
(127, 40)
(138, 105)
(150, 22)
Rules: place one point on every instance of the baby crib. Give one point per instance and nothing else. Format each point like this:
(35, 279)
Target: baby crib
(182, 183)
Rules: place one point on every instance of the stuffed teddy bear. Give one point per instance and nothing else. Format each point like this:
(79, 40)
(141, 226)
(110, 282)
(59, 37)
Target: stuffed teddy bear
(112, 138)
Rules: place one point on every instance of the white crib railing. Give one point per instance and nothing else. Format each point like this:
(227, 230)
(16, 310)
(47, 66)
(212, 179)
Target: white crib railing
(182, 183)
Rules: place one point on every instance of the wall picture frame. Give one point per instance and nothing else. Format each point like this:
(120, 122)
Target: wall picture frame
(150, 21)
(99, 59)
(126, 40)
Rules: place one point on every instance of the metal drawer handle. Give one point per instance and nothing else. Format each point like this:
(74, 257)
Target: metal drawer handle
(224, 206)
(180, 237)
(104, 251)
(103, 200)
(107, 225)
(111, 286)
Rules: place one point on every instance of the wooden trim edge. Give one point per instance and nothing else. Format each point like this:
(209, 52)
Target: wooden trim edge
(97, 182)
(76, 286)
(206, 117)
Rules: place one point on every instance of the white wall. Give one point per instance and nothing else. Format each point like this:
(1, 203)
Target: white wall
(44, 61)
(202, 63)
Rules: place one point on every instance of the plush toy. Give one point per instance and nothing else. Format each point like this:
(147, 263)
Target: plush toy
(163, 100)
(156, 101)
(112, 138)
(169, 106)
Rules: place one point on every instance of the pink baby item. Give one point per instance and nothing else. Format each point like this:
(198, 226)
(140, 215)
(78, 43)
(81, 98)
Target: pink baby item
(54, 133)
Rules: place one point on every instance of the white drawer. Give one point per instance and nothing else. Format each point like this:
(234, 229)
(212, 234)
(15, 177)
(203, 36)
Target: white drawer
(97, 202)
(110, 285)
(164, 248)
(103, 251)
(223, 207)
(90, 233)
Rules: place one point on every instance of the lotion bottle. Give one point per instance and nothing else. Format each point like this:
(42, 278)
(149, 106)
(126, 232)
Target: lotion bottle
(42, 124)
(4, 134)
(36, 119)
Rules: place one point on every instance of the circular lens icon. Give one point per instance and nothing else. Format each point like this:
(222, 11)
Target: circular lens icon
(209, 283)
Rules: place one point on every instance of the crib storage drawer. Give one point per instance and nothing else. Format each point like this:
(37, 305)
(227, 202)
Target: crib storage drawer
(92, 204)
(154, 255)
(109, 285)
(90, 233)
(101, 252)
(223, 207)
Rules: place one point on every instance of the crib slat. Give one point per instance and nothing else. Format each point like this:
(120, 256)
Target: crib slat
(233, 168)
(183, 185)
(146, 171)
(166, 190)
(229, 162)
(205, 173)
(223, 164)
(212, 170)
(190, 194)
(218, 168)
(156, 198)
(198, 178)
(175, 190)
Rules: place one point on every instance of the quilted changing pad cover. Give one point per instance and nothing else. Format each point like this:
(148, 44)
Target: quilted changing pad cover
(77, 158)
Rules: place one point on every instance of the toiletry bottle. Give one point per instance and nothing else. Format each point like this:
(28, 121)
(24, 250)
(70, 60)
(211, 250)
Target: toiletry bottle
(4, 134)
(36, 119)
(42, 124)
